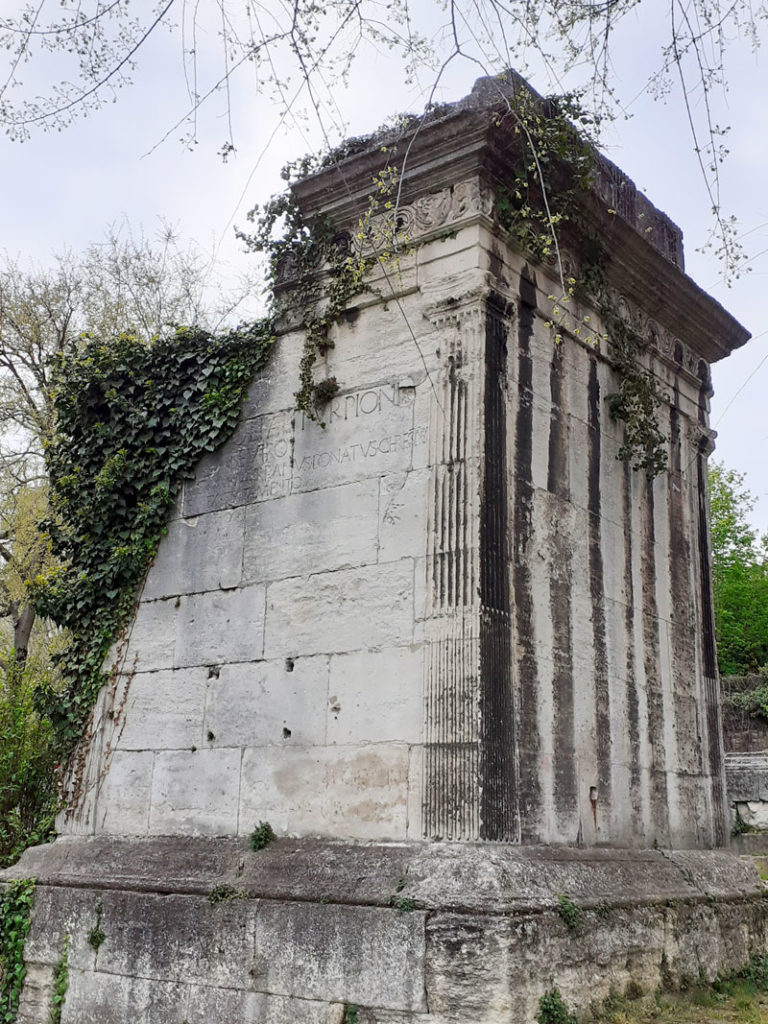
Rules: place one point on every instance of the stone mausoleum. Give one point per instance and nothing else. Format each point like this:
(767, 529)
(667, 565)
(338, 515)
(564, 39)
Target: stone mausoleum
(453, 649)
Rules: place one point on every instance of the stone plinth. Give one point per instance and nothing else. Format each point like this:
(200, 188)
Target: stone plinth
(429, 933)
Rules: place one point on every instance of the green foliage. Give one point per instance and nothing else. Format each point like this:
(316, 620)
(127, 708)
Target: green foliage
(15, 912)
(568, 910)
(739, 580)
(224, 893)
(554, 1010)
(60, 983)
(262, 836)
(28, 797)
(553, 167)
(636, 401)
(132, 421)
(350, 1014)
(96, 935)
(553, 170)
(323, 268)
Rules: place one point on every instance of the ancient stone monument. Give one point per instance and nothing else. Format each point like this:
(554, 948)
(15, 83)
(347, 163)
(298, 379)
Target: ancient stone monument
(444, 641)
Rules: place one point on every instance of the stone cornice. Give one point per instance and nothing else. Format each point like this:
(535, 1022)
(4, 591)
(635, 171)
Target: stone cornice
(465, 145)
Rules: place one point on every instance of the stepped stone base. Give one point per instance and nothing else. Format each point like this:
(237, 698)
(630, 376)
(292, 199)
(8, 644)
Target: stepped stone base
(438, 933)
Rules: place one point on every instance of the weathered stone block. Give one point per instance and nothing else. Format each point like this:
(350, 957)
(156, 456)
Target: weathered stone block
(255, 464)
(153, 635)
(195, 792)
(369, 431)
(402, 515)
(164, 710)
(268, 703)
(220, 626)
(332, 528)
(376, 697)
(184, 565)
(104, 998)
(331, 791)
(324, 613)
(177, 938)
(357, 955)
(124, 797)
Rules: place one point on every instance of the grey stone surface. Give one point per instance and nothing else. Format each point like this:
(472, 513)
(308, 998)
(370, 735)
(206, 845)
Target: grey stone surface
(314, 927)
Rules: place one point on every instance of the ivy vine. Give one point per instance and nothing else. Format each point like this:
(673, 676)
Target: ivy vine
(60, 983)
(553, 169)
(323, 267)
(132, 421)
(15, 919)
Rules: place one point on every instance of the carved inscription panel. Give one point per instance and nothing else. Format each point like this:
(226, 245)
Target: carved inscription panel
(367, 432)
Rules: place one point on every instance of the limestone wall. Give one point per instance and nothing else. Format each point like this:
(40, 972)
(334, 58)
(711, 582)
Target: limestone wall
(449, 611)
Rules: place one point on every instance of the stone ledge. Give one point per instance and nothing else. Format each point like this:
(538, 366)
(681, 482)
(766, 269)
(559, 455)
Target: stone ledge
(468, 878)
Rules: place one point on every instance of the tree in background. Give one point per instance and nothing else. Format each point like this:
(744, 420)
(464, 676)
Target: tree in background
(121, 285)
(739, 575)
(65, 60)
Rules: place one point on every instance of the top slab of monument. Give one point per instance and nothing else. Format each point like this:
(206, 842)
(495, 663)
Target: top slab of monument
(473, 138)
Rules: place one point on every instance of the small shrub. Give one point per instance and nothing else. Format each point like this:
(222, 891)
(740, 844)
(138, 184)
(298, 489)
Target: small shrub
(224, 893)
(350, 1015)
(554, 1010)
(568, 910)
(96, 935)
(633, 991)
(325, 390)
(262, 836)
(404, 904)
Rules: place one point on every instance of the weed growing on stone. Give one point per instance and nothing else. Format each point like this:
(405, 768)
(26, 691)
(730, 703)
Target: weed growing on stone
(96, 935)
(554, 1010)
(224, 893)
(568, 910)
(350, 1015)
(262, 836)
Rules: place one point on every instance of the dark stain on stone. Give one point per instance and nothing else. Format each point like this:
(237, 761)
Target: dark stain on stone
(557, 466)
(565, 783)
(633, 702)
(529, 795)
(683, 623)
(498, 818)
(660, 814)
(597, 588)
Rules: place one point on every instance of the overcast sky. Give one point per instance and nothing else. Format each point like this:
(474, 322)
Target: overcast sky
(61, 190)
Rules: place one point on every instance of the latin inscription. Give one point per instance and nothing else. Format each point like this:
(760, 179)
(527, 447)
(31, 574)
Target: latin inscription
(283, 466)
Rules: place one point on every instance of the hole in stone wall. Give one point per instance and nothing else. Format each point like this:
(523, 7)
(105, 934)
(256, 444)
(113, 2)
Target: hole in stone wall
(211, 736)
(289, 664)
(286, 733)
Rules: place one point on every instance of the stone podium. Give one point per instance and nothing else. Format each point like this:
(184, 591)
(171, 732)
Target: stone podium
(456, 652)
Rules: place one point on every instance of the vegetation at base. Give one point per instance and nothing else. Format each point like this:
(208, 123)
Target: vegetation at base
(554, 1010)
(568, 911)
(736, 997)
(97, 935)
(739, 583)
(60, 983)
(15, 917)
(224, 893)
(262, 836)
(28, 759)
